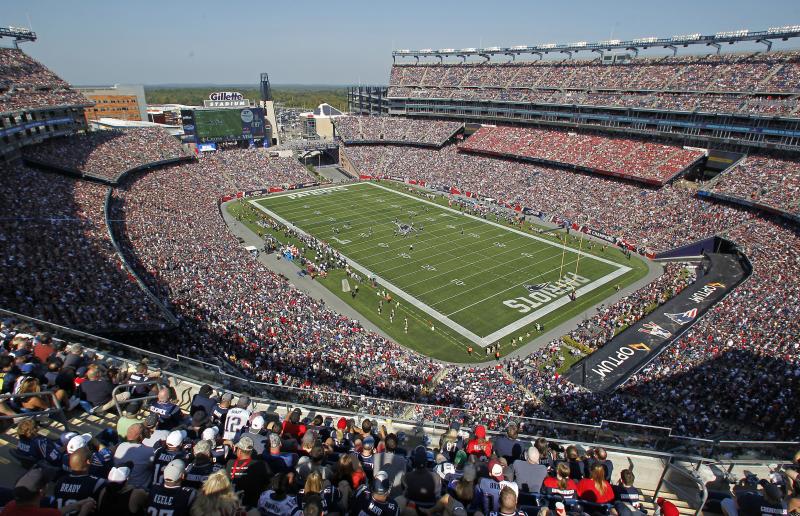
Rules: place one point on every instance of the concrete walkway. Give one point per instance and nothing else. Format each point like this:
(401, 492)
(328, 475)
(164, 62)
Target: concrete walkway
(317, 291)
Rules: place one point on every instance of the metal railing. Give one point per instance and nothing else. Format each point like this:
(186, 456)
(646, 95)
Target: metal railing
(685, 483)
(128, 386)
(56, 409)
(631, 437)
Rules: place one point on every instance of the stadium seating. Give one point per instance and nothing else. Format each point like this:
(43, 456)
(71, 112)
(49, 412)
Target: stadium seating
(360, 129)
(638, 160)
(657, 219)
(738, 83)
(27, 84)
(108, 154)
(764, 181)
(58, 262)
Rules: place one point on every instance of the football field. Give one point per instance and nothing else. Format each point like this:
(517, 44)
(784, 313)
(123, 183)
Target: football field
(482, 279)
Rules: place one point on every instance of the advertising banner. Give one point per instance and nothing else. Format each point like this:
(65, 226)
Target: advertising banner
(627, 353)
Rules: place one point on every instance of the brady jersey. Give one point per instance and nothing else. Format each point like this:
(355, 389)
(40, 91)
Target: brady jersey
(170, 501)
(367, 506)
(73, 488)
(491, 494)
(236, 419)
(269, 506)
(161, 457)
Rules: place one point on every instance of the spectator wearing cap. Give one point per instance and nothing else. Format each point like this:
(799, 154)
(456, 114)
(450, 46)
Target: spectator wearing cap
(749, 502)
(169, 414)
(367, 455)
(490, 487)
(276, 459)
(292, 425)
(248, 473)
(393, 463)
(221, 452)
(202, 465)
(528, 472)
(203, 400)
(596, 488)
(217, 498)
(478, 445)
(375, 500)
(78, 484)
(220, 411)
(508, 446)
(341, 438)
(118, 498)
(598, 456)
(422, 486)
(154, 435)
(171, 497)
(255, 430)
(137, 454)
(29, 497)
(276, 500)
(163, 454)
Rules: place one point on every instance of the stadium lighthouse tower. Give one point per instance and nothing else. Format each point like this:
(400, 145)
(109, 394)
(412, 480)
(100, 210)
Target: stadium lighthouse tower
(268, 105)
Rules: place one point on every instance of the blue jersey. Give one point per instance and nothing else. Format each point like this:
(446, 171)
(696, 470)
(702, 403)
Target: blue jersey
(169, 414)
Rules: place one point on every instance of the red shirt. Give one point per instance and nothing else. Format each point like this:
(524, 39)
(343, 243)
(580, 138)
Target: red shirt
(11, 509)
(588, 491)
(550, 485)
(479, 447)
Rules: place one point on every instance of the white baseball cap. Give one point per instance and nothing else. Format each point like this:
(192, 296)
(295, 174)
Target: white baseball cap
(119, 475)
(210, 434)
(257, 423)
(175, 438)
(78, 442)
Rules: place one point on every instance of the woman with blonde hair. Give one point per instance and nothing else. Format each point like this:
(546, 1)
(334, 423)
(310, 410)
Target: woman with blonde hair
(217, 498)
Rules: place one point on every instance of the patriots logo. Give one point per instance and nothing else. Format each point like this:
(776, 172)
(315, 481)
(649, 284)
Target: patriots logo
(683, 317)
(655, 330)
(536, 287)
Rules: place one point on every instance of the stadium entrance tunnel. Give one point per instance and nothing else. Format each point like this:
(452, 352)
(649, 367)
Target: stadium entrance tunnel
(626, 354)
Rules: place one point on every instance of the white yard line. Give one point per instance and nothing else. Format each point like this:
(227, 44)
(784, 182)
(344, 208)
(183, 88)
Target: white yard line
(434, 314)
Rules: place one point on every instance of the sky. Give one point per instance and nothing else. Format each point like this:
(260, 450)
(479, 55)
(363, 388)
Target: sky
(90, 42)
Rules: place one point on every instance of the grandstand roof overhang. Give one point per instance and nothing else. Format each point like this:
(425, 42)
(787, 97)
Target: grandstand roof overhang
(762, 36)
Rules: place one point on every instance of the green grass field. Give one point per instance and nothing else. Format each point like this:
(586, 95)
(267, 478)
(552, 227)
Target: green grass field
(474, 281)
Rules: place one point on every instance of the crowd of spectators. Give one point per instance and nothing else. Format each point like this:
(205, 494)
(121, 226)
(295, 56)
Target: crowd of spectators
(765, 181)
(653, 163)
(656, 219)
(735, 83)
(27, 84)
(673, 101)
(363, 129)
(58, 262)
(108, 154)
(252, 169)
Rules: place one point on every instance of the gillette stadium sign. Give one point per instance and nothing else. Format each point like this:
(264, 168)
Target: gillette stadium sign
(226, 99)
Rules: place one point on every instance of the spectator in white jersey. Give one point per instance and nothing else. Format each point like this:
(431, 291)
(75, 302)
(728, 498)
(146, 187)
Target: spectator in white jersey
(276, 500)
(236, 418)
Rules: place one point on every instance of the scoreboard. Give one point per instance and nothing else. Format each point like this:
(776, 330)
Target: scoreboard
(223, 125)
